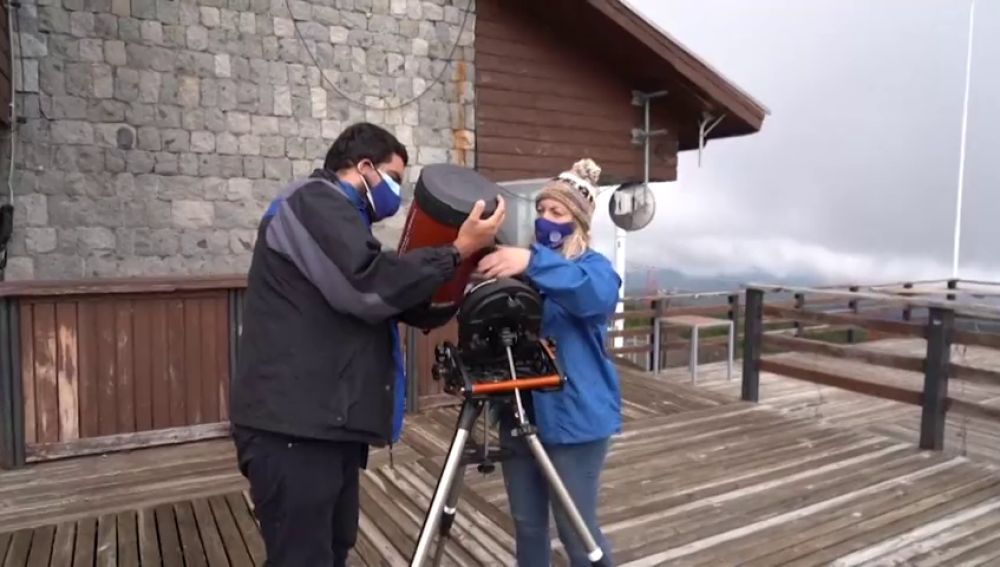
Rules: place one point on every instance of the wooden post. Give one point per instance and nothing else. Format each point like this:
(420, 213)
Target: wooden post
(800, 303)
(753, 335)
(952, 284)
(932, 422)
(655, 338)
(853, 305)
(907, 312)
(11, 401)
(734, 309)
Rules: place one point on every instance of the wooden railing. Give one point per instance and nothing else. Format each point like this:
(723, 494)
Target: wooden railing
(940, 323)
(641, 314)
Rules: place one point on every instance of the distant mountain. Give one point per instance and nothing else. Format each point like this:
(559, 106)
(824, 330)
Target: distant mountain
(638, 280)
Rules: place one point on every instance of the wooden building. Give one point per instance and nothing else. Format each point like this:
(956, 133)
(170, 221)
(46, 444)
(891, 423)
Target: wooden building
(96, 365)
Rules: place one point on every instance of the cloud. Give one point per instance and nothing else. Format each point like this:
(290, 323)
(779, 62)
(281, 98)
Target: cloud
(854, 174)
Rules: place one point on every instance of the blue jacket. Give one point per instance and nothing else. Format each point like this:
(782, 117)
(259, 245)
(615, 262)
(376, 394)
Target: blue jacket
(579, 297)
(399, 403)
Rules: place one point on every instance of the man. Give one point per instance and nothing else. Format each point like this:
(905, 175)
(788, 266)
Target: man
(319, 354)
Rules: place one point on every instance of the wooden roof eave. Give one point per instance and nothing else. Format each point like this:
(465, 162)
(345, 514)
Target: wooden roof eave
(718, 95)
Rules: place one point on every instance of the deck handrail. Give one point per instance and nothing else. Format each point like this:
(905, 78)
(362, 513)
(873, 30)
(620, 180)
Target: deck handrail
(940, 330)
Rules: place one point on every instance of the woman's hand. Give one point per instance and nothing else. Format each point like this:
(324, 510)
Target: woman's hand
(505, 262)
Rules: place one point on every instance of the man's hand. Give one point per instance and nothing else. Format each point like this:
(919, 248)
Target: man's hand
(476, 232)
(505, 262)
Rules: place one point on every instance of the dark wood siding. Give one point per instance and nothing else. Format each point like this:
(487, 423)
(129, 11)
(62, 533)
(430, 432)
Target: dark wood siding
(96, 366)
(544, 100)
(5, 70)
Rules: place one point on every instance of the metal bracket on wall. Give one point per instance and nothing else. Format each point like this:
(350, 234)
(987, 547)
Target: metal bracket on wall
(644, 134)
(707, 123)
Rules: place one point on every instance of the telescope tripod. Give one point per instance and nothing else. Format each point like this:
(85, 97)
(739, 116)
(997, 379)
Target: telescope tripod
(444, 504)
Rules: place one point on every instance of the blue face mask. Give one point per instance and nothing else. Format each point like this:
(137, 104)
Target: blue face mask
(552, 234)
(385, 197)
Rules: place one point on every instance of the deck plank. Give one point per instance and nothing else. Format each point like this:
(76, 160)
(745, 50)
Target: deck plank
(170, 541)
(149, 544)
(62, 546)
(107, 544)
(20, 546)
(41, 546)
(187, 528)
(232, 539)
(248, 528)
(4, 544)
(128, 540)
(86, 540)
(215, 552)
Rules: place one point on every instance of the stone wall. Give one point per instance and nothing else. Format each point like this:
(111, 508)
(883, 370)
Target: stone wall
(157, 130)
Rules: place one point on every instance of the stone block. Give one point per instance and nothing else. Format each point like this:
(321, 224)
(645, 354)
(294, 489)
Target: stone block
(20, 268)
(247, 23)
(215, 120)
(126, 84)
(197, 38)
(272, 146)
(239, 189)
(301, 168)
(264, 125)
(139, 162)
(114, 160)
(242, 241)
(238, 122)
(210, 17)
(95, 238)
(175, 140)
(317, 96)
(282, 100)
(230, 166)
(188, 164)
(283, 27)
(72, 132)
(151, 32)
(253, 167)
(277, 168)
(81, 24)
(223, 66)
(58, 266)
(114, 53)
(31, 210)
(202, 142)
(188, 91)
(144, 9)
(227, 144)
(166, 164)
(193, 214)
(79, 81)
(250, 145)
(236, 214)
(209, 165)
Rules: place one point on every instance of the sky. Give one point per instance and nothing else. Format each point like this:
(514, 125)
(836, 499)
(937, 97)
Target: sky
(855, 173)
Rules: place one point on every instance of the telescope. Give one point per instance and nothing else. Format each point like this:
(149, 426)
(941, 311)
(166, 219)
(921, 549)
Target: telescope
(500, 353)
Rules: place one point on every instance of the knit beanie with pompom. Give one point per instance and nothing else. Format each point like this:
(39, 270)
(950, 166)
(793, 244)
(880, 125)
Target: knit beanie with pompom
(575, 189)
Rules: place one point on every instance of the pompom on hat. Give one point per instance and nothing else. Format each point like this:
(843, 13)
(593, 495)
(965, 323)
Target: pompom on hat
(576, 189)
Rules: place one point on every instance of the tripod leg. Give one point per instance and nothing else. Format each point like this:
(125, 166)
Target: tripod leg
(594, 551)
(443, 491)
(448, 516)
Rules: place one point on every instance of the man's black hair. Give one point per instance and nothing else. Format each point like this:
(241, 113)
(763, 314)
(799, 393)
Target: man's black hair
(363, 141)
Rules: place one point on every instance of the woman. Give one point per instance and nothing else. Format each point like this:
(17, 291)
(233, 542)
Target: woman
(579, 288)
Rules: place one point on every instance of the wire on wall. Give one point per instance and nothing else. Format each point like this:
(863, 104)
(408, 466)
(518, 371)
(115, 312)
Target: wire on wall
(447, 63)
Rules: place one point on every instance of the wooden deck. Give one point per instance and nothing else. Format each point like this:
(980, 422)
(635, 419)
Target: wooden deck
(696, 478)
(978, 439)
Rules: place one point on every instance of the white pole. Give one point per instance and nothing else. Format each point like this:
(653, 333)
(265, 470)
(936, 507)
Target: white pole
(961, 159)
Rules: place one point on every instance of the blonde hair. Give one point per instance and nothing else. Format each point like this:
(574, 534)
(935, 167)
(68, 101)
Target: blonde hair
(576, 190)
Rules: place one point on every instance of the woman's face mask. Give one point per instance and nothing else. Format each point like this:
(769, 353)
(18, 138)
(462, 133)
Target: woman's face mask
(552, 234)
(384, 196)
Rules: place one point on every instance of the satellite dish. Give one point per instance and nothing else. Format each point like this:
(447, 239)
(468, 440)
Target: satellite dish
(632, 206)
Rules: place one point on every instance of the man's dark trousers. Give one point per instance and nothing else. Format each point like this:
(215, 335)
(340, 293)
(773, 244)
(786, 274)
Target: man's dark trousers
(305, 494)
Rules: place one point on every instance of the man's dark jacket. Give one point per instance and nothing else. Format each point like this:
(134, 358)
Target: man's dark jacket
(315, 356)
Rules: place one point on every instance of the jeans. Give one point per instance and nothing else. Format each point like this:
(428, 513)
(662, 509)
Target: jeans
(579, 466)
(305, 495)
